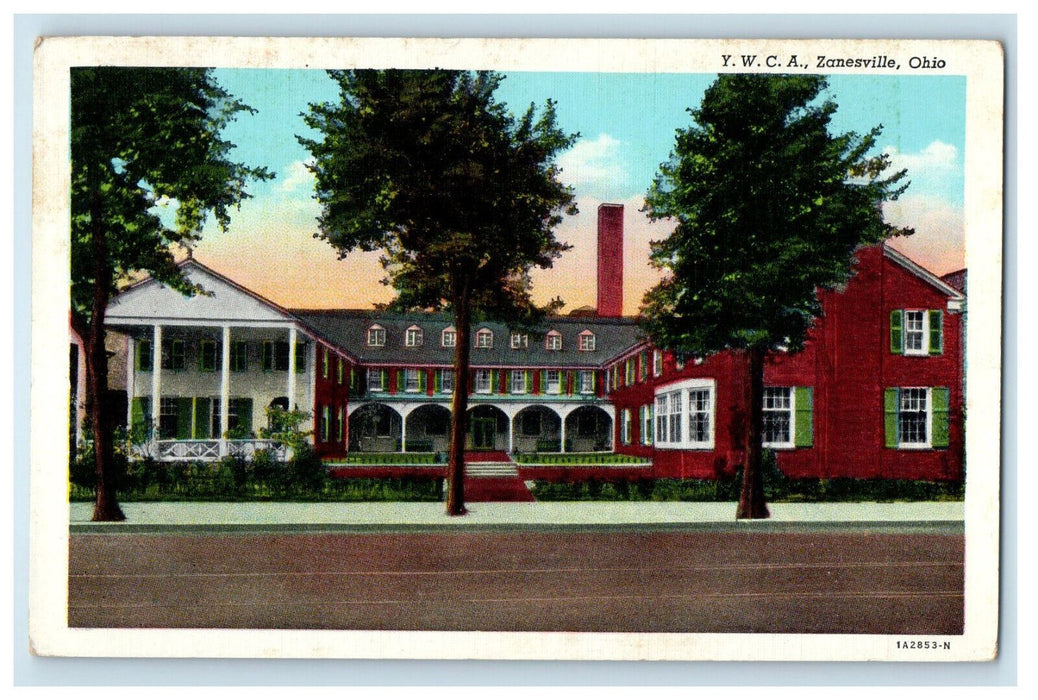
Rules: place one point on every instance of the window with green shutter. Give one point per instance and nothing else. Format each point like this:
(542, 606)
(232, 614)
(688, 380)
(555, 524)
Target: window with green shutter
(203, 418)
(936, 323)
(896, 332)
(803, 406)
(939, 397)
(207, 353)
(140, 415)
(144, 356)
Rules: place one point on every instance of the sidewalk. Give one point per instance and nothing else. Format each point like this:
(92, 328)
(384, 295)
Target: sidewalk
(424, 516)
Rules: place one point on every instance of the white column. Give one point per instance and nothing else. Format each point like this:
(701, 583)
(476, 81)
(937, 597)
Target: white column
(292, 370)
(156, 380)
(511, 434)
(403, 431)
(225, 389)
(562, 436)
(131, 375)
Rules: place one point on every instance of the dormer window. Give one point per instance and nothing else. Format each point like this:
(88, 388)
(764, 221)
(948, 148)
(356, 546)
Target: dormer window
(586, 341)
(553, 341)
(449, 337)
(485, 338)
(376, 336)
(519, 341)
(413, 337)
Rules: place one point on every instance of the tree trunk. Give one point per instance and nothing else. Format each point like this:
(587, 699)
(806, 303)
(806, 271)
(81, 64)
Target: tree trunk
(459, 404)
(106, 506)
(751, 499)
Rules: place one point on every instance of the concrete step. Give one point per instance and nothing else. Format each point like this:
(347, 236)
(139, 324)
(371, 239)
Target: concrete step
(491, 469)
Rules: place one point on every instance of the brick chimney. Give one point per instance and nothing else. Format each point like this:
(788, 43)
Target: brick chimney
(610, 260)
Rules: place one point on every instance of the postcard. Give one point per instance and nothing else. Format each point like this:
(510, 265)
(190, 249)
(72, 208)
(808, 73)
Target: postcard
(516, 348)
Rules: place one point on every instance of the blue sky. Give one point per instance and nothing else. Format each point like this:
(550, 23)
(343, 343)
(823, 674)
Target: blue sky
(627, 124)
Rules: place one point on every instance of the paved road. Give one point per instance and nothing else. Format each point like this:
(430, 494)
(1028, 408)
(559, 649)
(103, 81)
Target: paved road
(648, 581)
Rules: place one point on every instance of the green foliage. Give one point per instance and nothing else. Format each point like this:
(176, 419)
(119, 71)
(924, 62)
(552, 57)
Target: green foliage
(768, 207)
(141, 136)
(283, 427)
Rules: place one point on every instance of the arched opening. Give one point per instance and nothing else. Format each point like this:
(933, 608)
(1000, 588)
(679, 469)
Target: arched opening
(375, 428)
(486, 429)
(589, 429)
(428, 429)
(537, 429)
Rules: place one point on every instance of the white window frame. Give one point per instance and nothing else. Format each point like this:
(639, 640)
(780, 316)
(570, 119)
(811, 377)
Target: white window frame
(789, 410)
(376, 336)
(446, 381)
(519, 341)
(448, 337)
(586, 379)
(484, 382)
(626, 426)
(553, 341)
(647, 423)
(411, 381)
(923, 331)
(673, 415)
(552, 386)
(518, 381)
(657, 363)
(485, 339)
(413, 337)
(586, 341)
(927, 418)
(374, 379)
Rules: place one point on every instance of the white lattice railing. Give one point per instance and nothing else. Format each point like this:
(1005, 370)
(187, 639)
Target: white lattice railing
(209, 450)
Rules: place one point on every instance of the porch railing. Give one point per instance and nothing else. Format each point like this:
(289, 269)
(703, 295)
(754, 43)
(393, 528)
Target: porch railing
(209, 450)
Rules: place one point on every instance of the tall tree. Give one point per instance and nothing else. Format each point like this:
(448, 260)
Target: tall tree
(769, 207)
(140, 136)
(461, 196)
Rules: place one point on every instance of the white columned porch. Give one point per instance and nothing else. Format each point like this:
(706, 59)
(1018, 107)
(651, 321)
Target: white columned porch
(225, 389)
(292, 370)
(156, 381)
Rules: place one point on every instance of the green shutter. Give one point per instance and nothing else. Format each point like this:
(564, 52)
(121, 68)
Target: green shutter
(437, 381)
(936, 331)
(399, 380)
(803, 429)
(891, 399)
(544, 381)
(939, 425)
(896, 332)
(245, 414)
(383, 375)
(140, 413)
(183, 417)
(202, 417)
(422, 381)
(528, 376)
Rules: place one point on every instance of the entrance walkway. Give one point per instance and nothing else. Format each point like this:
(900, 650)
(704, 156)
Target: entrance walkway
(493, 477)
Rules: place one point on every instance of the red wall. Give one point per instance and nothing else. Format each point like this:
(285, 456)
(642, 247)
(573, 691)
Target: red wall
(848, 363)
(328, 392)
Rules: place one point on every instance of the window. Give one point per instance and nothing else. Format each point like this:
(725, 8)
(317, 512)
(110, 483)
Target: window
(341, 372)
(376, 379)
(174, 355)
(917, 332)
(413, 337)
(449, 337)
(376, 336)
(239, 356)
(325, 423)
(412, 381)
(275, 356)
(144, 357)
(518, 341)
(645, 418)
(207, 352)
(340, 423)
(626, 426)
(916, 417)
(587, 381)
(485, 339)
(482, 381)
(520, 381)
(778, 417)
(684, 415)
(586, 341)
(446, 380)
(168, 414)
(643, 366)
(629, 372)
(657, 363)
(326, 363)
(552, 382)
(553, 341)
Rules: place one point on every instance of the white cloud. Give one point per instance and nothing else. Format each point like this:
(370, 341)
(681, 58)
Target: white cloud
(935, 170)
(594, 167)
(298, 179)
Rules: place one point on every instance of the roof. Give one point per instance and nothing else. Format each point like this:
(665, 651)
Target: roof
(923, 274)
(348, 329)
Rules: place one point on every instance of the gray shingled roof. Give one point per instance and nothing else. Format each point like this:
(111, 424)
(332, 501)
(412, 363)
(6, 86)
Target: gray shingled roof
(348, 329)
